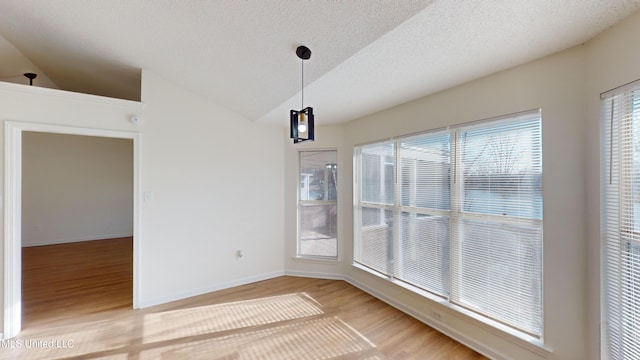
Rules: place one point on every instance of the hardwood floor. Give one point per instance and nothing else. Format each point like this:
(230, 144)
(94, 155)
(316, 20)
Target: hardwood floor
(78, 306)
(76, 278)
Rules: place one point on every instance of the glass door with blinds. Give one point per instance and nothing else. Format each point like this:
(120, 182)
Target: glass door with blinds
(621, 222)
(458, 212)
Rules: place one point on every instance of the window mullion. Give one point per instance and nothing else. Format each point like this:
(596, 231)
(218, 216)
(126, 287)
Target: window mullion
(455, 191)
(424, 211)
(397, 218)
(507, 220)
(357, 203)
(318, 202)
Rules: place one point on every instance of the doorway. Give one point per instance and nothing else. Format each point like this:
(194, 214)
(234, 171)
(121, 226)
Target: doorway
(77, 225)
(13, 214)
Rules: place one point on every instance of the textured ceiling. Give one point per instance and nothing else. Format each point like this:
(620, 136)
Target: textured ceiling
(367, 55)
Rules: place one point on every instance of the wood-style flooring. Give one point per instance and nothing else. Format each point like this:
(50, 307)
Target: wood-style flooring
(77, 305)
(76, 278)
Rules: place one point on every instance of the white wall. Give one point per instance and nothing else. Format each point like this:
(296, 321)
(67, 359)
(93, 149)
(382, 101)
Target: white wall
(75, 188)
(218, 187)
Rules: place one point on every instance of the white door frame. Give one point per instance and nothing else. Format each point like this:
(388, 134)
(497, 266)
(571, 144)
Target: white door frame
(12, 285)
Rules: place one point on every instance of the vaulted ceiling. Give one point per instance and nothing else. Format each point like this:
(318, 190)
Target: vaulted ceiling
(367, 55)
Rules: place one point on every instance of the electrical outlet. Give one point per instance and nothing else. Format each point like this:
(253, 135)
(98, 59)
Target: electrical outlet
(436, 315)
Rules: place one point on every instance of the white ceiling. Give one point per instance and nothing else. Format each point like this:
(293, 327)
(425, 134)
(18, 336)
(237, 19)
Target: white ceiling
(367, 55)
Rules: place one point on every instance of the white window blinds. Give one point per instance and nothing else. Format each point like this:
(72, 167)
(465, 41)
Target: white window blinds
(458, 213)
(498, 237)
(373, 215)
(423, 256)
(621, 222)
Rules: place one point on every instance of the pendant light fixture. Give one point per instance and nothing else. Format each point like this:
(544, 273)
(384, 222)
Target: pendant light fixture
(302, 120)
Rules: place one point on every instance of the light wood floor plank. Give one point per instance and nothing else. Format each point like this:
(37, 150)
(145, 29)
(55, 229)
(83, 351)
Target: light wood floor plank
(77, 305)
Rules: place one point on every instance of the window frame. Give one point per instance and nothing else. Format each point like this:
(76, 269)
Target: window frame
(300, 203)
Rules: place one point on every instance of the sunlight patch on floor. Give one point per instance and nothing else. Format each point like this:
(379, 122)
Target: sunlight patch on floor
(323, 338)
(229, 316)
(291, 326)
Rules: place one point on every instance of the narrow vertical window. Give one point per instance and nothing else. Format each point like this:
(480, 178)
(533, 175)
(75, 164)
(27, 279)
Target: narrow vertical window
(318, 205)
(620, 212)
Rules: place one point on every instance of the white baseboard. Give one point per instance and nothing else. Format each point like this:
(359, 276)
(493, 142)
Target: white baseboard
(75, 239)
(208, 289)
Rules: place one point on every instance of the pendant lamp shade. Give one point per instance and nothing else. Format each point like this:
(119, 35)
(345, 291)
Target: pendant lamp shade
(302, 125)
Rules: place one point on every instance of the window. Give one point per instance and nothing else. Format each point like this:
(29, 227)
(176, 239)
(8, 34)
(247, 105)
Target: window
(621, 222)
(424, 211)
(458, 213)
(317, 205)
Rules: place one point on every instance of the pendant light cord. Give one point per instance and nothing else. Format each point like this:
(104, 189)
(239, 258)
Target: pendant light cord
(302, 83)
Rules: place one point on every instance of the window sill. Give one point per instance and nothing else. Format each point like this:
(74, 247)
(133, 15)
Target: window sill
(525, 341)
